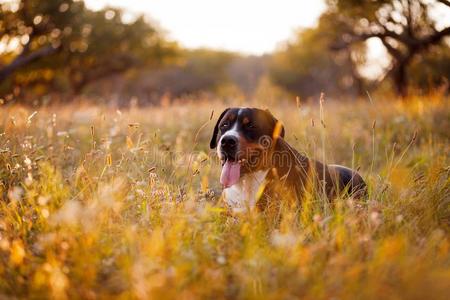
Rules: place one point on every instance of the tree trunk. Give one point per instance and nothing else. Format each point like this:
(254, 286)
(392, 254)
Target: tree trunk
(400, 79)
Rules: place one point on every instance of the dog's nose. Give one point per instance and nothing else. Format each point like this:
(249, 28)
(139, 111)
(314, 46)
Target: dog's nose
(229, 143)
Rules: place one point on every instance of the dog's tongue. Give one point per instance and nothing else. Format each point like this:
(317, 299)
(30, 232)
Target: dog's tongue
(231, 171)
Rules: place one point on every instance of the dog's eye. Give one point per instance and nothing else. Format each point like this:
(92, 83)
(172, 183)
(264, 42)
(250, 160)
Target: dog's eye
(251, 125)
(225, 125)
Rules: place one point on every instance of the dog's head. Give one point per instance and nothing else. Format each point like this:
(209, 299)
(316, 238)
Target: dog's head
(244, 138)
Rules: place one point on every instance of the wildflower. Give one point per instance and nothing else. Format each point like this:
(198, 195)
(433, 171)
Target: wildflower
(140, 192)
(4, 244)
(62, 133)
(375, 218)
(45, 213)
(110, 195)
(58, 280)
(221, 260)
(283, 240)
(15, 194)
(43, 200)
(17, 252)
(29, 179)
(65, 245)
(27, 161)
(68, 214)
(317, 218)
(114, 131)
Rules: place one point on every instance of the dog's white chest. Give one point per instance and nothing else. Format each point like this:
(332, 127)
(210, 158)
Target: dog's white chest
(242, 196)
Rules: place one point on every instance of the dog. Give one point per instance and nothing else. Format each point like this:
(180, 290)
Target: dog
(260, 168)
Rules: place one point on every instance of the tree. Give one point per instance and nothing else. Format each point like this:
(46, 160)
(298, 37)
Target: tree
(405, 27)
(72, 45)
(432, 70)
(40, 27)
(110, 46)
(306, 66)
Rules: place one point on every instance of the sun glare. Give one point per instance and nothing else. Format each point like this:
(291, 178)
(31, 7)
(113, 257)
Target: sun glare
(252, 27)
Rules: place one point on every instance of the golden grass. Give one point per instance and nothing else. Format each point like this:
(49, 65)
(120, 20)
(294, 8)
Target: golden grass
(99, 203)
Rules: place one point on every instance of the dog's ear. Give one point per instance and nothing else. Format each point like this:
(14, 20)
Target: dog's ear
(278, 128)
(213, 143)
(282, 130)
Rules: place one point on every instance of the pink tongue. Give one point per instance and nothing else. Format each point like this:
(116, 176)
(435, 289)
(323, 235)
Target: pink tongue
(231, 171)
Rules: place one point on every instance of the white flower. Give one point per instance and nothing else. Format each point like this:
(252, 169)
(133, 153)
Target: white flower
(27, 161)
(29, 179)
(15, 194)
(283, 240)
(70, 213)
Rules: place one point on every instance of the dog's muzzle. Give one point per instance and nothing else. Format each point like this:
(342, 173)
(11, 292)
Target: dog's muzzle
(229, 147)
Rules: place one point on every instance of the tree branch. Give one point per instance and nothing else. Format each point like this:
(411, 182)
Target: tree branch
(409, 42)
(339, 45)
(436, 37)
(409, 19)
(24, 59)
(393, 51)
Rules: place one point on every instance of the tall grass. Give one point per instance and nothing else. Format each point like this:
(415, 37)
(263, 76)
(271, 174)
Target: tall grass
(98, 203)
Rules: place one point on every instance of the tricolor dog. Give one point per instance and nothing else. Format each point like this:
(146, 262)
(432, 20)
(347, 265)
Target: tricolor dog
(260, 168)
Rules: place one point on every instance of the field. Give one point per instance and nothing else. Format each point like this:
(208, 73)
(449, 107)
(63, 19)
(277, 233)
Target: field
(98, 202)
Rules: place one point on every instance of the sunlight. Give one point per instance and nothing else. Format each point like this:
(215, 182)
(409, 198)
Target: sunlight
(252, 27)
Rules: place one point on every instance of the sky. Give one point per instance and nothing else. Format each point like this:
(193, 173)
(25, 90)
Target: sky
(246, 26)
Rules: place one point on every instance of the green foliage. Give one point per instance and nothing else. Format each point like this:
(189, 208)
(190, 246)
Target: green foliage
(306, 66)
(112, 47)
(432, 70)
(72, 46)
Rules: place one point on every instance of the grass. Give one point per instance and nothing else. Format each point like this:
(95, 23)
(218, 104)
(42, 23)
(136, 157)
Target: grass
(99, 203)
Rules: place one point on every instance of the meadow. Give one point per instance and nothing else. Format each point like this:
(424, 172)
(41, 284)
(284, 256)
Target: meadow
(100, 202)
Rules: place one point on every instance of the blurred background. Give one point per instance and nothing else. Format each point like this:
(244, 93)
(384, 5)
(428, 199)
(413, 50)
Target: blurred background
(163, 51)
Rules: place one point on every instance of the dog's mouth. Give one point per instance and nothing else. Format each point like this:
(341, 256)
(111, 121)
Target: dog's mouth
(231, 172)
(234, 166)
